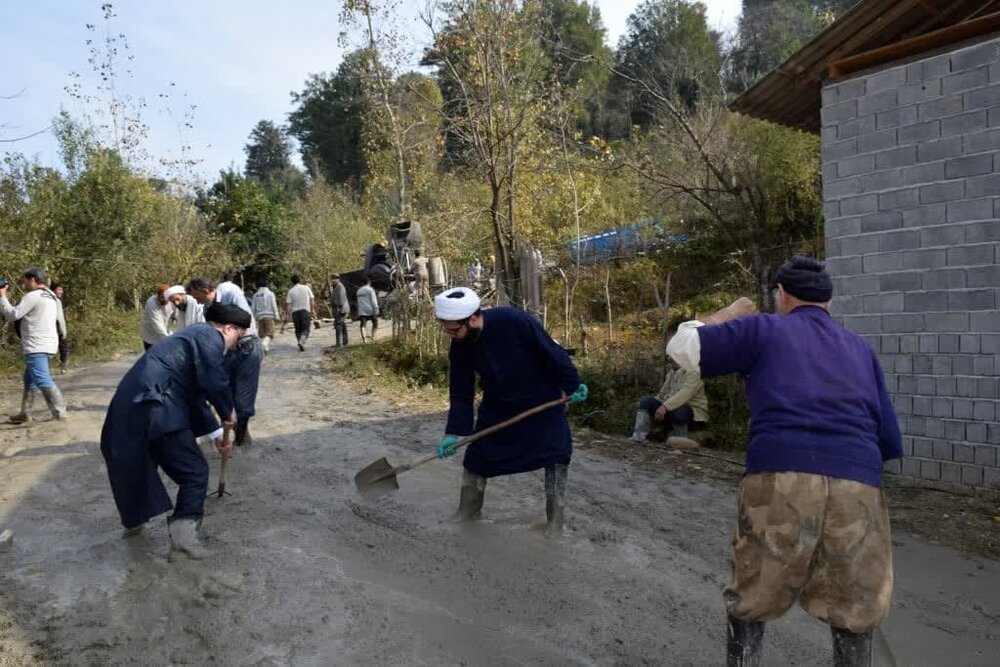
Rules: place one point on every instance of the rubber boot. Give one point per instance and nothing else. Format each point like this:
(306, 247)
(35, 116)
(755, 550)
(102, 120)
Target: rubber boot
(242, 433)
(679, 431)
(555, 496)
(265, 343)
(27, 403)
(643, 423)
(470, 501)
(744, 643)
(54, 399)
(184, 540)
(852, 649)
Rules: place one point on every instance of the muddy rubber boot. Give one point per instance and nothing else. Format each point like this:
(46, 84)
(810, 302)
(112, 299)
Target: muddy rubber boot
(643, 423)
(744, 643)
(555, 496)
(54, 399)
(184, 540)
(470, 500)
(27, 403)
(852, 649)
(679, 431)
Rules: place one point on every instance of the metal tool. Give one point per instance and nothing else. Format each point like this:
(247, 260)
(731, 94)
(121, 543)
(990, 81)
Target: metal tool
(379, 478)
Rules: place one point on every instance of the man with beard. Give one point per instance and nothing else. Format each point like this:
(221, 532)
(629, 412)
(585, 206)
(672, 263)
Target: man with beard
(187, 310)
(519, 367)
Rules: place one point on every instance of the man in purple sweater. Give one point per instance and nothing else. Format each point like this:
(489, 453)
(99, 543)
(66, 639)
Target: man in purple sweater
(813, 522)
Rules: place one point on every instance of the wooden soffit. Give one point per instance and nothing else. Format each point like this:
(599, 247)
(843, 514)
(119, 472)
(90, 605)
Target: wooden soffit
(870, 33)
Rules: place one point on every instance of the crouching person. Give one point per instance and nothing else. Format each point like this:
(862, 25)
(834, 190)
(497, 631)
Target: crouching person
(158, 411)
(681, 404)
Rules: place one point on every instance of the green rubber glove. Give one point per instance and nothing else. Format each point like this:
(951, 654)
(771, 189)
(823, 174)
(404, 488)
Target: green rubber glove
(446, 447)
(580, 394)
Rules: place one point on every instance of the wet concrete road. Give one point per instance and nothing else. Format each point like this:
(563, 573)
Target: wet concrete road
(306, 573)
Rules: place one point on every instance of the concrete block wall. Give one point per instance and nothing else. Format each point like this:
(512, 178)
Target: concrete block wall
(911, 180)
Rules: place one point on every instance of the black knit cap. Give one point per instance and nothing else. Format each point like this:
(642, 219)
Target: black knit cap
(805, 278)
(221, 313)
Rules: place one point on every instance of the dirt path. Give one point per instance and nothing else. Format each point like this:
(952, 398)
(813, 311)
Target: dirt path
(307, 574)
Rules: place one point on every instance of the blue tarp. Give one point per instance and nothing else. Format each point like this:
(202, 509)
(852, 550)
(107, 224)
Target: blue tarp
(625, 241)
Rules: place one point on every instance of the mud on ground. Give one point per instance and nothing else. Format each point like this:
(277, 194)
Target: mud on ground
(305, 573)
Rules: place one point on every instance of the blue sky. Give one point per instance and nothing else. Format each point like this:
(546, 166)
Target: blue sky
(236, 60)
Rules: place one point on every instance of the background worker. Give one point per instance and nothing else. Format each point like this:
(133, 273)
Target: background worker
(187, 310)
(35, 318)
(681, 404)
(300, 305)
(367, 307)
(519, 367)
(813, 521)
(244, 360)
(148, 428)
(57, 290)
(421, 276)
(340, 308)
(264, 305)
(156, 314)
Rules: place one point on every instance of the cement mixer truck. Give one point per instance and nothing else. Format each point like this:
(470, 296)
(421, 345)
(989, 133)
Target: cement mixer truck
(390, 267)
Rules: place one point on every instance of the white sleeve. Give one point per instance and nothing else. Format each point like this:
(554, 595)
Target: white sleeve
(685, 346)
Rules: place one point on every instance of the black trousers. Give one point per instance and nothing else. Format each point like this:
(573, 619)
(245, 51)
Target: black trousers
(179, 456)
(302, 320)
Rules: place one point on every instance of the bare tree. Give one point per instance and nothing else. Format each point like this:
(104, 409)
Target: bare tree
(493, 77)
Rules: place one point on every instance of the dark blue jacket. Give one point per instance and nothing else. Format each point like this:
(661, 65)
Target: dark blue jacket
(818, 402)
(519, 367)
(164, 392)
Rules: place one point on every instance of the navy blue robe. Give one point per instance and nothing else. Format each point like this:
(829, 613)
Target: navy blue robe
(163, 394)
(519, 367)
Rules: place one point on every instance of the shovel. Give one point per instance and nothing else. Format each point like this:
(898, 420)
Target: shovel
(379, 478)
(227, 439)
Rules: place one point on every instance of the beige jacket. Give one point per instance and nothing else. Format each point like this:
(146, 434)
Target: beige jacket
(685, 388)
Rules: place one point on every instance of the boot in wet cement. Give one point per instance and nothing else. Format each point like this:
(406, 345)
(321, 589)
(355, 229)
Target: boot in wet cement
(744, 643)
(54, 399)
(470, 501)
(241, 436)
(555, 496)
(184, 540)
(27, 403)
(643, 424)
(852, 649)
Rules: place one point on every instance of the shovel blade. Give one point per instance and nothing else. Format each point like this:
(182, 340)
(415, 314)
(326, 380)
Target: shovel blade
(376, 480)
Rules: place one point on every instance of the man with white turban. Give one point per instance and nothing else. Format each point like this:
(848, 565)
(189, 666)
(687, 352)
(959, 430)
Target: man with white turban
(187, 310)
(519, 367)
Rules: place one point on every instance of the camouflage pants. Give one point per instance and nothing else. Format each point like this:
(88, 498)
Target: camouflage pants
(821, 541)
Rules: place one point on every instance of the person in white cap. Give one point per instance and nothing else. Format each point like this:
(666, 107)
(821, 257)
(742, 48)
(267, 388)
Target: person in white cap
(519, 367)
(187, 310)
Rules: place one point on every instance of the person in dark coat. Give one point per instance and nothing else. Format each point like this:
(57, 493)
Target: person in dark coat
(158, 411)
(519, 367)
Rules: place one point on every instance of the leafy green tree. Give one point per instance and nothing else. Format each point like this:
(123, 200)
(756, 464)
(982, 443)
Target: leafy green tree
(772, 30)
(667, 51)
(573, 39)
(268, 152)
(328, 122)
(252, 223)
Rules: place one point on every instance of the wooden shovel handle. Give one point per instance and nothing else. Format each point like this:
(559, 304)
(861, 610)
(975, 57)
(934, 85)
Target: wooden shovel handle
(469, 439)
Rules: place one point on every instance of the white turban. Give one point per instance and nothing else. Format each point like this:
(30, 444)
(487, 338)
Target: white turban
(455, 304)
(171, 291)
